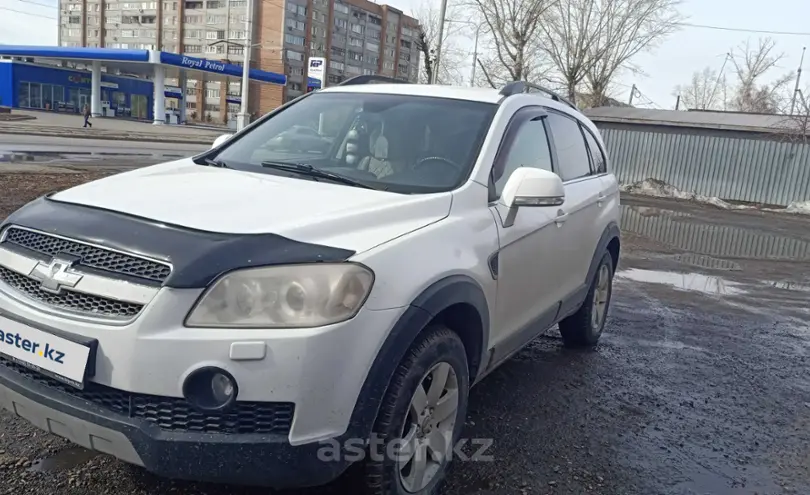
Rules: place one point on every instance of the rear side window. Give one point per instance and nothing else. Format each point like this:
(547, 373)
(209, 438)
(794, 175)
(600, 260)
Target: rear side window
(597, 155)
(572, 153)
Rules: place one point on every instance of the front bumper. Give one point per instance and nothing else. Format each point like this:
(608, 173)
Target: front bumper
(249, 459)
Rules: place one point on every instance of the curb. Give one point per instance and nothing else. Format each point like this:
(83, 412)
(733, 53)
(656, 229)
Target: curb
(154, 138)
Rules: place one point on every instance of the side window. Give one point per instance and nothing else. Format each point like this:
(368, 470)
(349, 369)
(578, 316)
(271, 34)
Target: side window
(597, 155)
(529, 149)
(572, 154)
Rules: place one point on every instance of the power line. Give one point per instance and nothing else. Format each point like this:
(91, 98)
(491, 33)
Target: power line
(28, 13)
(40, 4)
(743, 30)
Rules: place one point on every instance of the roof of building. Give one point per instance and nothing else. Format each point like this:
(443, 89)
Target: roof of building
(737, 121)
(130, 60)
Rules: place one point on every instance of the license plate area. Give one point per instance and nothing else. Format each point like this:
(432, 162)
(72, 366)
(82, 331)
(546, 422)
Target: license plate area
(67, 358)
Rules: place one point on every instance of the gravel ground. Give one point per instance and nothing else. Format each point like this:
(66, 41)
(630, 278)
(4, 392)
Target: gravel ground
(699, 386)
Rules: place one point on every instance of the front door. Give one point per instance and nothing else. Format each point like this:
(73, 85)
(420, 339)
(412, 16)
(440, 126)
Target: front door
(83, 100)
(530, 274)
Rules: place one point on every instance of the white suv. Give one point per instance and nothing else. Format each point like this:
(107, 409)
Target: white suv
(271, 316)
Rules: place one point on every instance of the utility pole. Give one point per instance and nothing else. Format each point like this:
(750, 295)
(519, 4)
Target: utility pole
(798, 78)
(475, 54)
(242, 117)
(442, 14)
(632, 94)
(678, 102)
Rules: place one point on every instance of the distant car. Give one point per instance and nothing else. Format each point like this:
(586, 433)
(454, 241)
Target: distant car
(300, 139)
(282, 319)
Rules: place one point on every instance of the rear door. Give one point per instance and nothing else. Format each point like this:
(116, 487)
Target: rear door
(583, 203)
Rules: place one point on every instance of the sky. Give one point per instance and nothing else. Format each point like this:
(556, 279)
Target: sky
(672, 63)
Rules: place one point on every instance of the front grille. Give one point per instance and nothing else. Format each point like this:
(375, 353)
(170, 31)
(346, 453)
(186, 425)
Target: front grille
(89, 256)
(68, 300)
(173, 414)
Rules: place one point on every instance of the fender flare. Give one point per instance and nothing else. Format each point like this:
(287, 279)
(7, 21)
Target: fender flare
(611, 232)
(438, 296)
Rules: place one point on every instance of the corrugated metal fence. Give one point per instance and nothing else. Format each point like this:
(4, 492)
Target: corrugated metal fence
(730, 165)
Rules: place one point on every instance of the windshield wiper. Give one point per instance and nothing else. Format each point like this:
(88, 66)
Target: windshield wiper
(310, 171)
(215, 163)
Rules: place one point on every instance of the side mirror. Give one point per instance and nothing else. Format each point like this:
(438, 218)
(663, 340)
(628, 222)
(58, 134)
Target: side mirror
(220, 140)
(529, 186)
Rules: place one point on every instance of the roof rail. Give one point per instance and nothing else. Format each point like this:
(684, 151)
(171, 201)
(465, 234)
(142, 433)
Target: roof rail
(369, 79)
(516, 87)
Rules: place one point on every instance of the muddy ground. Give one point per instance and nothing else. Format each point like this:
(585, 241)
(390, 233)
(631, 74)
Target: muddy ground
(701, 383)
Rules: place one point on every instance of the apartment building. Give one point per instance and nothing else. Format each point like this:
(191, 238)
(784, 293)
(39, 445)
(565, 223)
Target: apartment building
(355, 36)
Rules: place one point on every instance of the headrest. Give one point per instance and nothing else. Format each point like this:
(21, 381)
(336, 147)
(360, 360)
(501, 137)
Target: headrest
(379, 147)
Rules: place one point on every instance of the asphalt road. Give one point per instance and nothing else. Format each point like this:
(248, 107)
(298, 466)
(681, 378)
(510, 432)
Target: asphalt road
(699, 386)
(43, 145)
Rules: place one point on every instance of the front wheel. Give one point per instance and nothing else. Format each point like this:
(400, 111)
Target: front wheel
(583, 328)
(421, 418)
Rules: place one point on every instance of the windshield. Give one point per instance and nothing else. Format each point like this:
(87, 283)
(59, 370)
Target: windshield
(405, 144)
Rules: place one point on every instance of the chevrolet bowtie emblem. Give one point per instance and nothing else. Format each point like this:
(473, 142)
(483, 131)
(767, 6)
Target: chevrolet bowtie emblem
(55, 275)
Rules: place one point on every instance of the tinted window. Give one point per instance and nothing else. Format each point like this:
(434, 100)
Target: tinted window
(572, 154)
(597, 157)
(405, 144)
(529, 149)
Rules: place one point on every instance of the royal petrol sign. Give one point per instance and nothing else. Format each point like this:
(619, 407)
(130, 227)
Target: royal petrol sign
(218, 67)
(317, 66)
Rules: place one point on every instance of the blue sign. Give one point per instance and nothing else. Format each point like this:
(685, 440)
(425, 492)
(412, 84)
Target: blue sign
(219, 67)
(82, 53)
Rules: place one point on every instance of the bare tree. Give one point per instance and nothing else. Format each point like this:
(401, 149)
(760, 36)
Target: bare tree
(705, 92)
(796, 127)
(626, 28)
(751, 64)
(428, 40)
(513, 38)
(570, 31)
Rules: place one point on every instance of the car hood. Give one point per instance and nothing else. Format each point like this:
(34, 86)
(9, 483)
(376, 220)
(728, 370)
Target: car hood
(236, 202)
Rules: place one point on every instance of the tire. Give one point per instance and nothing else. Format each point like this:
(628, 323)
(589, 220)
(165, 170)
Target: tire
(436, 351)
(583, 328)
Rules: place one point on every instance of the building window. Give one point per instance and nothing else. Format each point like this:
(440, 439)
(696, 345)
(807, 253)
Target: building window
(374, 47)
(215, 49)
(194, 5)
(319, 17)
(375, 35)
(390, 52)
(388, 65)
(238, 3)
(192, 19)
(295, 86)
(343, 9)
(341, 23)
(338, 52)
(294, 24)
(294, 40)
(351, 69)
(405, 44)
(211, 107)
(75, 19)
(355, 42)
(192, 33)
(318, 31)
(357, 28)
(214, 4)
(215, 35)
(355, 56)
(192, 49)
(408, 32)
(334, 79)
(236, 50)
(297, 9)
(237, 35)
(373, 60)
(215, 19)
(373, 19)
(148, 19)
(212, 93)
(368, 72)
(293, 55)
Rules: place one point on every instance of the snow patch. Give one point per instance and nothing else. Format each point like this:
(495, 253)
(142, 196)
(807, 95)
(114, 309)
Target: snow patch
(660, 189)
(800, 207)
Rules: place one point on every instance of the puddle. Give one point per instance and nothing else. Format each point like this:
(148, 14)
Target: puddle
(695, 282)
(705, 261)
(787, 285)
(63, 460)
(687, 233)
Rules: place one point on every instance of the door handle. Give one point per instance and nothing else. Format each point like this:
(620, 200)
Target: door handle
(600, 199)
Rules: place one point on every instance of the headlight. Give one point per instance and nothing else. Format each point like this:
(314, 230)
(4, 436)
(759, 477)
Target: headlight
(290, 296)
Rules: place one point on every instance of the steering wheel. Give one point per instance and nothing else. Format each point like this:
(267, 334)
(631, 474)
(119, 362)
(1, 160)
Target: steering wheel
(438, 159)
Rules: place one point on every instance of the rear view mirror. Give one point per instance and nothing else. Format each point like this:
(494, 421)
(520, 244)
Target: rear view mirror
(529, 186)
(220, 140)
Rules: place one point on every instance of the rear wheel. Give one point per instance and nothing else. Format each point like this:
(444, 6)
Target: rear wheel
(583, 328)
(420, 419)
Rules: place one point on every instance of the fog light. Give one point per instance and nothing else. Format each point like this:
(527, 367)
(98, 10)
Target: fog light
(210, 389)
